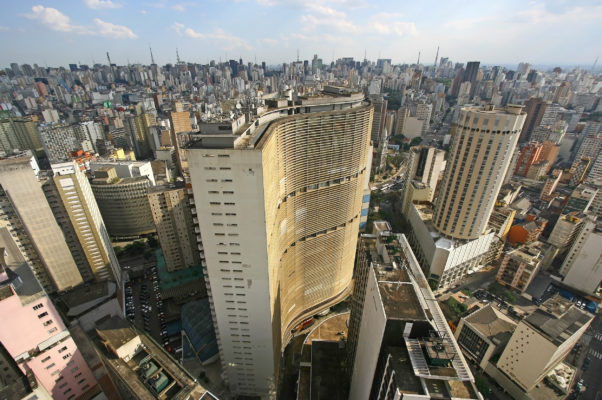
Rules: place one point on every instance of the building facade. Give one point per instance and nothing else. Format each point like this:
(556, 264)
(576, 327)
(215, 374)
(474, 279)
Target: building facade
(29, 229)
(81, 210)
(173, 219)
(541, 341)
(479, 158)
(279, 207)
(123, 203)
(425, 165)
(36, 338)
(519, 266)
(404, 347)
(582, 267)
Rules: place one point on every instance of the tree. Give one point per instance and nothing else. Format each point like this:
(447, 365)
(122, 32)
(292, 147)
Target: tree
(415, 141)
(482, 384)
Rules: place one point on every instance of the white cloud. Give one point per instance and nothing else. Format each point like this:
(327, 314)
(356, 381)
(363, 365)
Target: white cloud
(102, 4)
(143, 12)
(395, 28)
(4, 28)
(178, 27)
(229, 41)
(269, 41)
(113, 31)
(53, 19)
(57, 21)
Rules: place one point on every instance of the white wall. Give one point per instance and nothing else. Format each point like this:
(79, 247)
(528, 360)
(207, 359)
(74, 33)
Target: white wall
(244, 170)
(372, 328)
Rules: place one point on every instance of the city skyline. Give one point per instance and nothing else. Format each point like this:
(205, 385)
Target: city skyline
(273, 31)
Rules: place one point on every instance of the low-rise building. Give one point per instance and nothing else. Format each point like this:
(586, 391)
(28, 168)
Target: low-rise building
(444, 260)
(520, 266)
(541, 341)
(483, 334)
(400, 345)
(141, 369)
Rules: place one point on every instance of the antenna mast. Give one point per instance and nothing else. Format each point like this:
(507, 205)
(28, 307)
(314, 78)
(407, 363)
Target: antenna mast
(151, 52)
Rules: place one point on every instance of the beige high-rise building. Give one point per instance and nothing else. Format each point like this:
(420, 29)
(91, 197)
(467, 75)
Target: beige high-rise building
(480, 154)
(29, 230)
(171, 212)
(78, 205)
(279, 206)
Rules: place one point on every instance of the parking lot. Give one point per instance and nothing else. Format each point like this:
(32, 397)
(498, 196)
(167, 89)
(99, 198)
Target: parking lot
(144, 305)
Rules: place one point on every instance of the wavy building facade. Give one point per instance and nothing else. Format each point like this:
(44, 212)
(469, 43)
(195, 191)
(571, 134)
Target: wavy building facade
(279, 208)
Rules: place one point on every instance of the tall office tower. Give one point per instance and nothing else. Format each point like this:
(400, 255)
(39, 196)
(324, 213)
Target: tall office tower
(423, 112)
(378, 133)
(425, 165)
(29, 230)
(173, 218)
(541, 341)
(123, 203)
(480, 154)
(582, 267)
(455, 88)
(279, 206)
(470, 75)
(58, 141)
(403, 113)
(138, 127)
(91, 132)
(36, 338)
(400, 345)
(78, 212)
(535, 108)
(562, 93)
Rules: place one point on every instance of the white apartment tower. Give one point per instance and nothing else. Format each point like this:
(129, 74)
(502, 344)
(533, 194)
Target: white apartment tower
(279, 206)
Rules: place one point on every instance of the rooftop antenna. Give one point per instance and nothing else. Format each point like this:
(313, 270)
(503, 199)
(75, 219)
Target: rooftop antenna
(151, 51)
(418, 62)
(297, 55)
(437, 56)
(595, 62)
(177, 56)
(365, 54)
(109, 59)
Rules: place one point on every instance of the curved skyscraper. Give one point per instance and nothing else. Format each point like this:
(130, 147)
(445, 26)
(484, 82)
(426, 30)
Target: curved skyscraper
(480, 154)
(278, 207)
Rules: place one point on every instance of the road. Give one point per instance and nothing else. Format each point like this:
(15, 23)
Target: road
(592, 376)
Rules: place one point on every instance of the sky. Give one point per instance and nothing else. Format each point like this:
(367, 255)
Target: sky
(54, 33)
